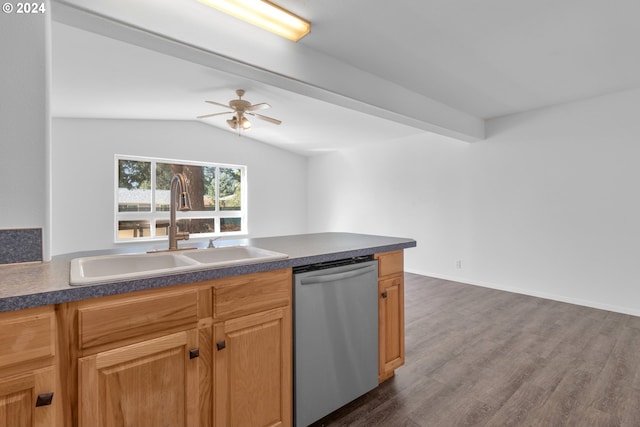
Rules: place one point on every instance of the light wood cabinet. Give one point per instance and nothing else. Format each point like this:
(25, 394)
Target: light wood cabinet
(27, 399)
(203, 354)
(253, 370)
(28, 381)
(390, 313)
(152, 383)
(118, 320)
(140, 359)
(253, 351)
(215, 353)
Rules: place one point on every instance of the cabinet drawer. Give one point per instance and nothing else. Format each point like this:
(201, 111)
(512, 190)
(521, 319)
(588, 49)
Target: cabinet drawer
(27, 335)
(113, 319)
(241, 295)
(390, 263)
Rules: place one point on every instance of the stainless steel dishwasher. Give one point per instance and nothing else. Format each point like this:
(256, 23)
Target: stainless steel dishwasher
(335, 335)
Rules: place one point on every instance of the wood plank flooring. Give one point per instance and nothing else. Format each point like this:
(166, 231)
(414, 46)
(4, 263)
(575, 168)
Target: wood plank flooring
(481, 357)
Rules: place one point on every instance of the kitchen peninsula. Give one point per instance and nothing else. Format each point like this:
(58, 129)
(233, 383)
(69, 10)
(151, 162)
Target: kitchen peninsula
(207, 339)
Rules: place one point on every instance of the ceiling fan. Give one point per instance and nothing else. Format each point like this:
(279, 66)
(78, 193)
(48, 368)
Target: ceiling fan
(241, 108)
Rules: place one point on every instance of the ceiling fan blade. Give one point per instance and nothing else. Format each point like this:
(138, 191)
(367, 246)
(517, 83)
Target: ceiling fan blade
(261, 106)
(214, 114)
(217, 103)
(268, 119)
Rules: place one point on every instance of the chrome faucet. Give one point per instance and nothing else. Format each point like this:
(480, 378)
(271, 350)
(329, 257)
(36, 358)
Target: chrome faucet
(179, 189)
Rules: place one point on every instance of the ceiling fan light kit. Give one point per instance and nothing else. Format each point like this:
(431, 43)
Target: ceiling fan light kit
(265, 15)
(240, 109)
(235, 124)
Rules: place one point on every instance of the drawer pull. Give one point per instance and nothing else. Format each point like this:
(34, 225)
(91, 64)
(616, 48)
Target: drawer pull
(44, 399)
(194, 353)
(221, 345)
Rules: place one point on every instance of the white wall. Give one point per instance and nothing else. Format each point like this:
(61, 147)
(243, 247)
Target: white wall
(24, 122)
(548, 205)
(83, 175)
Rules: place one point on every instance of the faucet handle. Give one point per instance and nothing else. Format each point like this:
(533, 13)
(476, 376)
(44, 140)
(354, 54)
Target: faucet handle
(211, 244)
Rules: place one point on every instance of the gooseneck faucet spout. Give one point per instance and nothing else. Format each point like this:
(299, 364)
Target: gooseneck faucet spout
(179, 200)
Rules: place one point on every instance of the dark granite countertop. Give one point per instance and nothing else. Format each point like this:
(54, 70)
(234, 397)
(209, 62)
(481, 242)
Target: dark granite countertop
(31, 285)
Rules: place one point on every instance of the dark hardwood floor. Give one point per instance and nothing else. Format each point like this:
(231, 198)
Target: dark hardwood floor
(481, 357)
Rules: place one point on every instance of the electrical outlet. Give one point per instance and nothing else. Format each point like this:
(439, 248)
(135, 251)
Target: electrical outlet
(459, 264)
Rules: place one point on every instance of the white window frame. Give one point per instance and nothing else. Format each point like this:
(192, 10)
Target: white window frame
(153, 216)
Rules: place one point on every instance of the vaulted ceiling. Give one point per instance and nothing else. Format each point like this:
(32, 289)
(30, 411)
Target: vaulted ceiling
(368, 71)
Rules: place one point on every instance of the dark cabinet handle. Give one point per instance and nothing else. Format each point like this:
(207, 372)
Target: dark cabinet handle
(194, 353)
(384, 294)
(220, 345)
(44, 399)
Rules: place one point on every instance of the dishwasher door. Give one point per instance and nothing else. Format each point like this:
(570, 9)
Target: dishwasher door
(336, 338)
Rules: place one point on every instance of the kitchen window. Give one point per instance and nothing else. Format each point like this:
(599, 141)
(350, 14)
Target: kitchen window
(218, 198)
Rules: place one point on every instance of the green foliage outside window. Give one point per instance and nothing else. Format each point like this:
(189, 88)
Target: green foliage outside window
(134, 174)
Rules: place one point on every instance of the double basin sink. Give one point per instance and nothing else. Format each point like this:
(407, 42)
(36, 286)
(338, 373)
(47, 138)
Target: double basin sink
(113, 268)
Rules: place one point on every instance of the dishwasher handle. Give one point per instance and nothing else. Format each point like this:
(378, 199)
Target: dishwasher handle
(334, 277)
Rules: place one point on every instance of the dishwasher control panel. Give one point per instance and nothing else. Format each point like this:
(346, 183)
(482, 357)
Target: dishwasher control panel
(331, 264)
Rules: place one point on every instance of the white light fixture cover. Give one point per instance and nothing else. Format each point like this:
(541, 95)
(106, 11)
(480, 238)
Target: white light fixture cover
(245, 123)
(265, 15)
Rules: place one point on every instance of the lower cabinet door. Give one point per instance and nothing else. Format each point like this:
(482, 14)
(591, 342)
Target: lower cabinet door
(252, 370)
(27, 399)
(151, 383)
(391, 326)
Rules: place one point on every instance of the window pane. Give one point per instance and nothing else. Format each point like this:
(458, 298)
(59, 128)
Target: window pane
(191, 225)
(134, 186)
(163, 185)
(230, 224)
(162, 227)
(201, 182)
(230, 185)
(203, 225)
(209, 192)
(133, 229)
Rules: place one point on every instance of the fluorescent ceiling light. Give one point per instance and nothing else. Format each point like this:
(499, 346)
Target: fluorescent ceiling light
(265, 15)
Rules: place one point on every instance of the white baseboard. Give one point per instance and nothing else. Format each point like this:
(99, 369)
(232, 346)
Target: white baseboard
(544, 295)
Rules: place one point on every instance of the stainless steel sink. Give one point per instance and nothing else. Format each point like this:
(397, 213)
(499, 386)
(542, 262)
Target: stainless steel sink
(113, 268)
